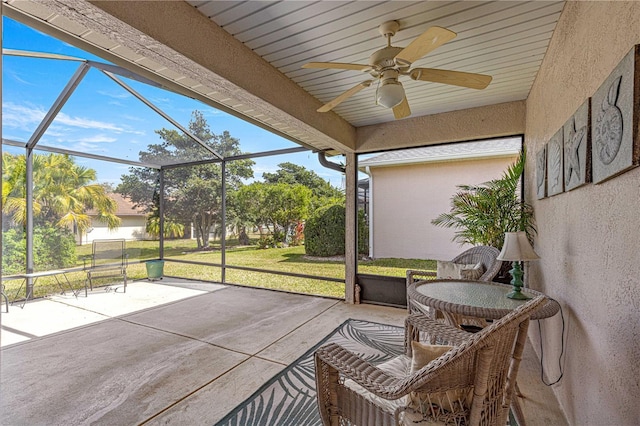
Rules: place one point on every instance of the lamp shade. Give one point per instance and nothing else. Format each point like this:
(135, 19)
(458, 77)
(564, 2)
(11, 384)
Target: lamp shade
(517, 247)
(390, 93)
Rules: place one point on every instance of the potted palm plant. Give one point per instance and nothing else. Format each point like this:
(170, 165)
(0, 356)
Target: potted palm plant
(481, 214)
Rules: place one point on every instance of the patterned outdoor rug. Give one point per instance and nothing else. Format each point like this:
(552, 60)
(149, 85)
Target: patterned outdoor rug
(290, 397)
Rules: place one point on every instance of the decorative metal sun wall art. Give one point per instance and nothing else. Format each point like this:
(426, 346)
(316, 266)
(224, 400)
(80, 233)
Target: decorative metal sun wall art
(614, 107)
(577, 148)
(555, 174)
(541, 172)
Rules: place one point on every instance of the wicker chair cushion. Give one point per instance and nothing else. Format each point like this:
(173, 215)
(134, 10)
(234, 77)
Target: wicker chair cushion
(423, 354)
(472, 274)
(398, 367)
(456, 271)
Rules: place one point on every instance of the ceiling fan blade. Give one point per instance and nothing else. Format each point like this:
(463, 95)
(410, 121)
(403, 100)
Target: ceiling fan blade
(337, 65)
(402, 110)
(455, 78)
(429, 40)
(344, 96)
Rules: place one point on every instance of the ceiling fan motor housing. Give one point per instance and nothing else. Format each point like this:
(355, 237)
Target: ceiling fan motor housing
(383, 58)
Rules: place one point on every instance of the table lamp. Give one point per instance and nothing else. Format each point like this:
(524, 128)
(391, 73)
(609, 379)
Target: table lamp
(517, 248)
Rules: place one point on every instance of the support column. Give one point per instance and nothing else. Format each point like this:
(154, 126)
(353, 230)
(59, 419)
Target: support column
(1, 132)
(351, 227)
(29, 218)
(161, 211)
(223, 231)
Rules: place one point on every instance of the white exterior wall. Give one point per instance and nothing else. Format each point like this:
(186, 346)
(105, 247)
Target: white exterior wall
(131, 228)
(404, 200)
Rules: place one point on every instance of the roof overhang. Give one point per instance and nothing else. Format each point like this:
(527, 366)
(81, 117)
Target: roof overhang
(173, 44)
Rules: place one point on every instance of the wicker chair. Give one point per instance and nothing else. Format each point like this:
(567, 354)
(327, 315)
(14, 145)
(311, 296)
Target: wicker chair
(486, 255)
(483, 366)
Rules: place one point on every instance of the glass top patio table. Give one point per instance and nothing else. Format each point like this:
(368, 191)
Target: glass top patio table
(479, 299)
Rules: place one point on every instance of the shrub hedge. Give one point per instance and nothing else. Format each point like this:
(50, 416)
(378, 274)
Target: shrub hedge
(324, 232)
(53, 248)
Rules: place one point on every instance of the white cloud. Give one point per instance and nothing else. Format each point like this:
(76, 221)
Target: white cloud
(259, 170)
(57, 132)
(89, 147)
(157, 100)
(27, 117)
(78, 146)
(87, 123)
(99, 139)
(115, 95)
(210, 112)
(21, 116)
(133, 117)
(19, 79)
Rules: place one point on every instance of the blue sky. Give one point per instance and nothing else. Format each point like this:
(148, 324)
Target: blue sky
(104, 119)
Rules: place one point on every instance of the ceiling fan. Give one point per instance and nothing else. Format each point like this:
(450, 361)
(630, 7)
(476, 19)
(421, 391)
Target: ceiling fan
(389, 63)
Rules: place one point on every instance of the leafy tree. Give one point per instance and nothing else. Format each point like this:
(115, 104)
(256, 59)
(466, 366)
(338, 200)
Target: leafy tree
(193, 193)
(323, 192)
(63, 192)
(483, 213)
(279, 206)
(245, 205)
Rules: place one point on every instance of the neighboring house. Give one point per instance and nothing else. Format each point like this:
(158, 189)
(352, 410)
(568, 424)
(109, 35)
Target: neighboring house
(411, 187)
(132, 227)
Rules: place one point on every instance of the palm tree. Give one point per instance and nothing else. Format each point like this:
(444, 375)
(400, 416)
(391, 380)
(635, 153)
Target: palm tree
(63, 192)
(483, 213)
(171, 229)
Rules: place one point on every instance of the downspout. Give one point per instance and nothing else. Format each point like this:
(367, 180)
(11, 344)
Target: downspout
(322, 158)
(368, 172)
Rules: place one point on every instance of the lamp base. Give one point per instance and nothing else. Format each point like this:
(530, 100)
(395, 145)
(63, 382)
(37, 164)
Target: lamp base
(516, 282)
(518, 295)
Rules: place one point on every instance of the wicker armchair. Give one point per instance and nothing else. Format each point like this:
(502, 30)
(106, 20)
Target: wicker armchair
(483, 366)
(486, 255)
(481, 254)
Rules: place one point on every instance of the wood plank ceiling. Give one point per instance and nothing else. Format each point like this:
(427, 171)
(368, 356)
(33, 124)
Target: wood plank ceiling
(505, 39)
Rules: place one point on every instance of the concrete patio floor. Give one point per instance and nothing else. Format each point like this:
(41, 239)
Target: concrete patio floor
(174, 352)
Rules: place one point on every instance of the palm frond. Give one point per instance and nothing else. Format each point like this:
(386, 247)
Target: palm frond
(481, 214)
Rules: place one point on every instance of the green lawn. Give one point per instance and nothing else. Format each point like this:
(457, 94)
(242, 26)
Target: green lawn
(288, 260)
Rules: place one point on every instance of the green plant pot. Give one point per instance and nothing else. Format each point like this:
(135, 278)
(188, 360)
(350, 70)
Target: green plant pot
(155, 269)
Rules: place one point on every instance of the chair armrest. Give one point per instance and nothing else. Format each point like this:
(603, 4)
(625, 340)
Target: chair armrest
(379, 382)
(362, 372)
(412, 273)
(420, 327)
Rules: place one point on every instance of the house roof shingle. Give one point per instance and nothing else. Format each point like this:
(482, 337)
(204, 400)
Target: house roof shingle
(124, 207)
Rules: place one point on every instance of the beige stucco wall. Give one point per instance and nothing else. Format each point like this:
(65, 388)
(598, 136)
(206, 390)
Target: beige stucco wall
(131, 228)
(588, 239)
(486, 122)
(405, 198)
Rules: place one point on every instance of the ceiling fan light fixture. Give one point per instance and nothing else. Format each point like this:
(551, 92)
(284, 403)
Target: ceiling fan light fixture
(390, 93)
